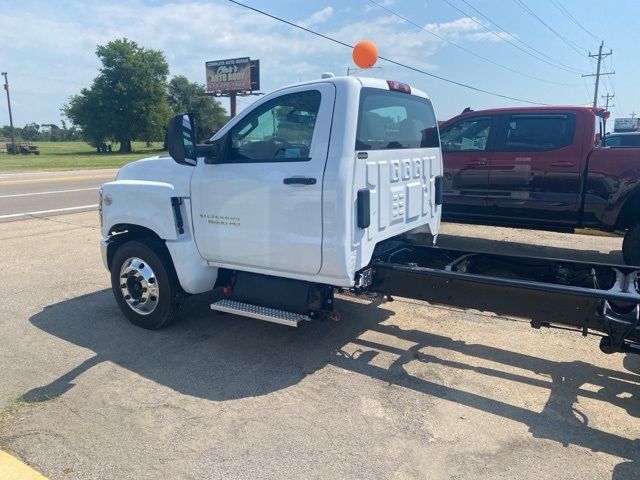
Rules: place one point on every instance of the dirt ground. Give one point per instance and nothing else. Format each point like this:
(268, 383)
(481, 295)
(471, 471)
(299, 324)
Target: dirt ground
(397, 390)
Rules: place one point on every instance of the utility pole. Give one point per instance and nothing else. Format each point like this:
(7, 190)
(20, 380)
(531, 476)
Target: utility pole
(607, 97)
(13, 140)
(599, 56)
(232, 104)
(633, 114)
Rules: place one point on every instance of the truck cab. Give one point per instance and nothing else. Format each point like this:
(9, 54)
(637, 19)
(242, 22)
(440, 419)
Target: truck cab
(285, 203)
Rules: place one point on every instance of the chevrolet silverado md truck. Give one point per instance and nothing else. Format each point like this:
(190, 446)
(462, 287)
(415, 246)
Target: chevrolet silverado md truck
(325, 186)
(286, 202)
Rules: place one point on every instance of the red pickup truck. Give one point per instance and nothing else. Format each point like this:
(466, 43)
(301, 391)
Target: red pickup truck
(541, 168)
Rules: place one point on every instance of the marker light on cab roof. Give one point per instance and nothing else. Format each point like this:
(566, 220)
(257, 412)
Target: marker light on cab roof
(398, 86)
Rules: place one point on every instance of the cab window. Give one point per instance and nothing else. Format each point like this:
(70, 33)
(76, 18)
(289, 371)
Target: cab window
(470, 135)
(622, 140)
(538, 132)
(395, 120)
(280, 130)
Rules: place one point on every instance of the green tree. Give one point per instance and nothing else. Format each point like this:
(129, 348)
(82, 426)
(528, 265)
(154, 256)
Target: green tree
(31, 131)
(127, 100)
(185, 96)
(5, 133)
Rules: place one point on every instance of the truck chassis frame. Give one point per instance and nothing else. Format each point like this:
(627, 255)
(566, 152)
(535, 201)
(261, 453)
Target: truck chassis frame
(593, 298)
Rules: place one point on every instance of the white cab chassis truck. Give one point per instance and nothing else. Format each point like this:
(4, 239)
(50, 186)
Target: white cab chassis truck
(327, 186)
(284, 204)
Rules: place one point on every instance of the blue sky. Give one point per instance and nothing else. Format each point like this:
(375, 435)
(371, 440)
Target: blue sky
(49, 47)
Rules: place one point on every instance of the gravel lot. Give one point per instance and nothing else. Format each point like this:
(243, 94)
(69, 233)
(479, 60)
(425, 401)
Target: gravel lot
(394, 390)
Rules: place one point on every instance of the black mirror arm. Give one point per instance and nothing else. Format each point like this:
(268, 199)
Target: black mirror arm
(211, 152)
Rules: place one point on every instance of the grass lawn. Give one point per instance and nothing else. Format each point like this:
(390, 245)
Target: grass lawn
(74, 155)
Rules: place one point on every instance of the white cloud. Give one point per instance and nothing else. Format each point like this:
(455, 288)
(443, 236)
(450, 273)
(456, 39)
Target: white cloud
(53, 54)
(464, 28)
(318, 17)
(381, 3)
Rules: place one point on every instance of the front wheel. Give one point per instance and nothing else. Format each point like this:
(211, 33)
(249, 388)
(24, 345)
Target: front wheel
(145, 285)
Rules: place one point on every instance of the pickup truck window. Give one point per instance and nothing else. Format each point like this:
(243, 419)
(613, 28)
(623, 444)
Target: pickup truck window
(538, 132)
(395, 120)
(630, 140)
(468, 135)
(281, 130)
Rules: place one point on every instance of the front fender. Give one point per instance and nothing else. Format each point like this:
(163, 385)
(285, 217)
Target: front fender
(148, 204)
(139, 202)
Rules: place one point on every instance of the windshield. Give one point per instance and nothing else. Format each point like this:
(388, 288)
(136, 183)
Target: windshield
(395, 120)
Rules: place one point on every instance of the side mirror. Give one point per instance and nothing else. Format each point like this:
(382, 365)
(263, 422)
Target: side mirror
(181, 139)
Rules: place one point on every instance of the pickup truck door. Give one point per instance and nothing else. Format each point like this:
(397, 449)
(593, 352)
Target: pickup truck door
(260, 207)
(536, 169)
(465, 147)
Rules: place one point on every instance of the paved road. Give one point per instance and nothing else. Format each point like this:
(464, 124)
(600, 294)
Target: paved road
(399, 390)
(49, 193)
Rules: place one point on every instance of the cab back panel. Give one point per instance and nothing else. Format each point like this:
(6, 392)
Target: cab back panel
(397, 158)
(402, 188)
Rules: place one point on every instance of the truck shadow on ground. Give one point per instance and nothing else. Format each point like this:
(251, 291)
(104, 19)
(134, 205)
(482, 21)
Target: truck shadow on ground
(516, 248)
(224, 357)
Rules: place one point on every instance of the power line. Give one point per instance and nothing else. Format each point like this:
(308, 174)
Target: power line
(457, 45)
(573, 19)
(516, 38)
(555, 64)
(408, 67)
(572, 45)
(611, 80)
(586, 89)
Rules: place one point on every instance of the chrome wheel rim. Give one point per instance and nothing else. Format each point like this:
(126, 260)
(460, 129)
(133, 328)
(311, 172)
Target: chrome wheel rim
(139, 286)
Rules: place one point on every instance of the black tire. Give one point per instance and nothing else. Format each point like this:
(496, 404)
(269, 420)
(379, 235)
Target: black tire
(169, 294)
(631, 245)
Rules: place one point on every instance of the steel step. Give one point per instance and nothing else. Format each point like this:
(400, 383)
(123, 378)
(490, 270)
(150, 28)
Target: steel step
(261, 313)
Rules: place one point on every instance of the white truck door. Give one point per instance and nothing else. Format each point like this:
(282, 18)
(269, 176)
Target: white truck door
(260, 209)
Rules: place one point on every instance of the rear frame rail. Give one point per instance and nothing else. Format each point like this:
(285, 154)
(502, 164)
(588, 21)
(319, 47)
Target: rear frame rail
(547, 291)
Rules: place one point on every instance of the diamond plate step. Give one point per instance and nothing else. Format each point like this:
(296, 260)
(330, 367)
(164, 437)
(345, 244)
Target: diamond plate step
(261, 313)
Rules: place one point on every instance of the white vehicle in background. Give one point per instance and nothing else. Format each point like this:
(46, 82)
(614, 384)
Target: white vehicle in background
(626, 124)
(622, 140)
(285, 204)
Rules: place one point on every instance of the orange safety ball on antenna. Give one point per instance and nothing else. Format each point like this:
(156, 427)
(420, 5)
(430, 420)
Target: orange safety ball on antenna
(365, 54)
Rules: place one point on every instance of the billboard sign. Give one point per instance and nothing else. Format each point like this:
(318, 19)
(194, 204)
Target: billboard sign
(230, 75)
(626, 124)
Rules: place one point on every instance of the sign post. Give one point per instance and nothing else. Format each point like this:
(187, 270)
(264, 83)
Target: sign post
(232, 77)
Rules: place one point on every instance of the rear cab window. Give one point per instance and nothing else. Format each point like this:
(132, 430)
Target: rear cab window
(538, 132)
(394, 120)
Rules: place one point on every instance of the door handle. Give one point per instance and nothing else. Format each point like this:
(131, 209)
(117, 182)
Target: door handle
(299, 181)
(563, 164)
(474, 163)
